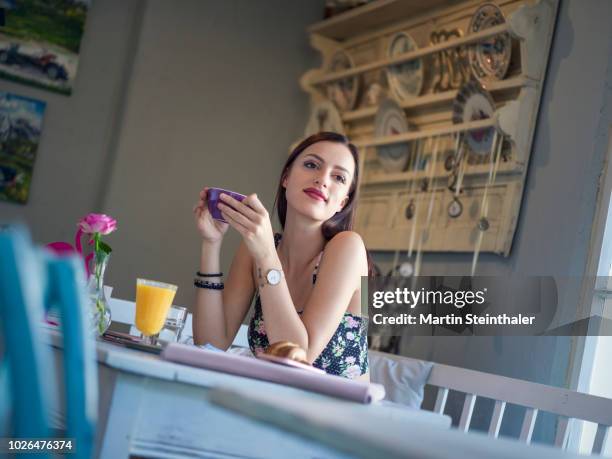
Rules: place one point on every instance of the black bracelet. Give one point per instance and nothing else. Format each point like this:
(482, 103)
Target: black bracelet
(210, 285)
(199, 274)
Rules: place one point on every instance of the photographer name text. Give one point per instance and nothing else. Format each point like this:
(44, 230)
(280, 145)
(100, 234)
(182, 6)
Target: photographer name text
(451, 319)
(412, 299)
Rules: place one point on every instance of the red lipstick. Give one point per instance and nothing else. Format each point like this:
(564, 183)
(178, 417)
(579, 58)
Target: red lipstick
(315, 194)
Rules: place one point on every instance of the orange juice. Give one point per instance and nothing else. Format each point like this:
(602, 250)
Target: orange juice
(153, 300)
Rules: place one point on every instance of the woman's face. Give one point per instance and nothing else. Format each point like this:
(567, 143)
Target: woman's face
(319, 180)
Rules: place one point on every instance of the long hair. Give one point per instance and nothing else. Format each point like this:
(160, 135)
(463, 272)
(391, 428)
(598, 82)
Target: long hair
(340, 221)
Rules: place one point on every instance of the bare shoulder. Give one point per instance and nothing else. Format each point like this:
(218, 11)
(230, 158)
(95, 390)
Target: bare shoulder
(346, 240)
(347, 246)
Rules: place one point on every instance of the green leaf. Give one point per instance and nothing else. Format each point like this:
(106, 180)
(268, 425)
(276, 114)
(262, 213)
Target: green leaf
(104, 247)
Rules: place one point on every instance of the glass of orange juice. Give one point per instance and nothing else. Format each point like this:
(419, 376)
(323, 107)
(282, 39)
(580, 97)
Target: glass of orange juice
(153, 300)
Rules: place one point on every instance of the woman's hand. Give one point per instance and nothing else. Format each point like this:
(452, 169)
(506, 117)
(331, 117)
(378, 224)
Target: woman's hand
(210, 229)
(250, 218)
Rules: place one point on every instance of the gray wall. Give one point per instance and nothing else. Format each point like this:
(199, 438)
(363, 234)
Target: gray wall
(78, 130)
(213, 100)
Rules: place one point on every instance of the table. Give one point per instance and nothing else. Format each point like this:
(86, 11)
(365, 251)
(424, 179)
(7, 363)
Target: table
(311, 419)
(156, 408)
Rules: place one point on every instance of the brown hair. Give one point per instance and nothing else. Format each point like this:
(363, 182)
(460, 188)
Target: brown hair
(340, 221)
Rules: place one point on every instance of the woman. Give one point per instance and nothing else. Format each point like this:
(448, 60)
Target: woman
(307, 281)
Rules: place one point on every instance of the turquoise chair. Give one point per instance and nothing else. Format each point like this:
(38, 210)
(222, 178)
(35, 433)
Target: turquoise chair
(31, 281)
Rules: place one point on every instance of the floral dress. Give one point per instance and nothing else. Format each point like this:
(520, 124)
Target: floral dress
(346, 354)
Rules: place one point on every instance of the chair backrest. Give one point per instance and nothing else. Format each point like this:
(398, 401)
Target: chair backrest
(31, 280)
(27, 360)
(403, 379)
(564, 403)
(67, 289)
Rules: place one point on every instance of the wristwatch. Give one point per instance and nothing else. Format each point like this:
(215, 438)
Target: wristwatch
(272, 277)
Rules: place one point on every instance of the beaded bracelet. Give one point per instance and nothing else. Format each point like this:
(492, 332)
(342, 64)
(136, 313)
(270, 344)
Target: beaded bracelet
(199, 274)
(209, 285)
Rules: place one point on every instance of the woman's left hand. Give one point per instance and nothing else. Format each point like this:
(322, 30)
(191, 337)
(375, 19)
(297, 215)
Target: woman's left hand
(251, 219)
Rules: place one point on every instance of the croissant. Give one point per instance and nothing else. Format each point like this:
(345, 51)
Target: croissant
(288, 350)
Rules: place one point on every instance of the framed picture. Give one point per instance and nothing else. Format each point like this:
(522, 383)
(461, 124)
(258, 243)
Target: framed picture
(20, 128)
(40, 41)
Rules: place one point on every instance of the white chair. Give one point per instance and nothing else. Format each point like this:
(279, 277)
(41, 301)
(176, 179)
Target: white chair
(564, 403)
(404, 380)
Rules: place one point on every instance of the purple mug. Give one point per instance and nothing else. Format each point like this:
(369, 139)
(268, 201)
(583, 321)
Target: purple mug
(213, 201)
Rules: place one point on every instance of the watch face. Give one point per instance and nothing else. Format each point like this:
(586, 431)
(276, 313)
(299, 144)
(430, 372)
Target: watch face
(273, 276)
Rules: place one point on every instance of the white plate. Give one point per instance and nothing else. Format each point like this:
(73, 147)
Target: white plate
(474, 103)
(489, 59)
(343, 93)
(406, 79)
(391, 120)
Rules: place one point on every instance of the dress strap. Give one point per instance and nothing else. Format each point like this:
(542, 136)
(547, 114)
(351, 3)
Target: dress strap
(316, 269)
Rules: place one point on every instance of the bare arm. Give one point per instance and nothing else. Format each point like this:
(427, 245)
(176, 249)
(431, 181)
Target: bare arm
(218, 314)
(344, 262)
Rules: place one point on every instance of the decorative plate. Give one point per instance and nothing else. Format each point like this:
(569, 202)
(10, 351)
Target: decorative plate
(343, 93)
(490, 58)
(406, 79)
(390, 120)
(324, 117)
(474, 103)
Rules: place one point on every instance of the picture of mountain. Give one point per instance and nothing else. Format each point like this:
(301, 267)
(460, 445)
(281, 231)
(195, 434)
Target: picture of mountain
(20, 128)
(40, 41)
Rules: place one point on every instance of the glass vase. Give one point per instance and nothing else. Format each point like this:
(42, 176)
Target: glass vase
(100, 311)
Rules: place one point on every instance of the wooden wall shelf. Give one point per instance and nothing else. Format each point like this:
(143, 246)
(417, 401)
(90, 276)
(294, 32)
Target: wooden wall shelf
(445, 97)
(426, 134)
(373, 16)
(405, 57)
(380, 178)
(364, 34)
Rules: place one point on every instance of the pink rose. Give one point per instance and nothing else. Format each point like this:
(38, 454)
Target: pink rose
(98, 223)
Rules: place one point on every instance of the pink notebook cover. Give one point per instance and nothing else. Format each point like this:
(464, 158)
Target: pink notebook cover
(336, 386)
